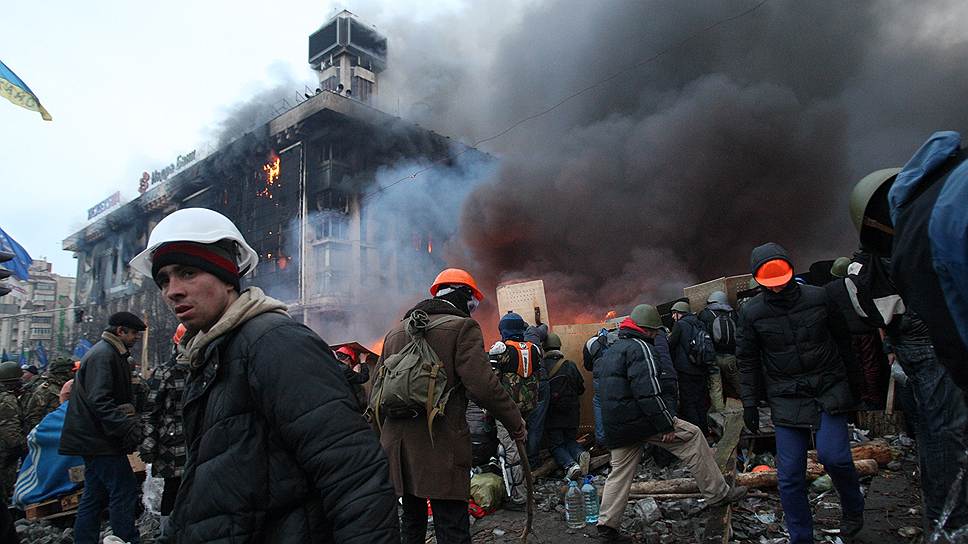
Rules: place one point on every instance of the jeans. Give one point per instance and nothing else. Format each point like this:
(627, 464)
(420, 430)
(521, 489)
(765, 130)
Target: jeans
(536, 421)
(597, 408)
(451, 522)
(941, 422)
(108, 481)
(833, 451)
(564, 448)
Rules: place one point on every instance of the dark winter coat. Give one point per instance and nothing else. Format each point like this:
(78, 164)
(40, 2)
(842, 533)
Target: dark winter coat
(682, 335)
(96, 423)
(277, 451)
(928, 259)
(628, 379)
(565, 390)
(441, 469)
(668, 379)
(787, 344)
(837, 294)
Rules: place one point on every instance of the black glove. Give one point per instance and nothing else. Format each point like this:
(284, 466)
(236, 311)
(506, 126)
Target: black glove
(133, 439)
(751, 416)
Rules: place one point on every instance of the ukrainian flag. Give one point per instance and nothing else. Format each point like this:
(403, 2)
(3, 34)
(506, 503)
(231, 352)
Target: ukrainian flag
(15, 90)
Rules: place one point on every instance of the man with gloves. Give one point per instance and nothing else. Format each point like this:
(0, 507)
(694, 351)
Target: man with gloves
(786, 346)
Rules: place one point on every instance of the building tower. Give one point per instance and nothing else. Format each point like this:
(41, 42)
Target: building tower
(348, 55)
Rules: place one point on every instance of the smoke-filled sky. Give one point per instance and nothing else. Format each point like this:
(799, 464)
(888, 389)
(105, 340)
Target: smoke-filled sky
(664, 175)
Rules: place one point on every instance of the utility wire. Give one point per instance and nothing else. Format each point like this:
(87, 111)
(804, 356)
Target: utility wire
(659, 54)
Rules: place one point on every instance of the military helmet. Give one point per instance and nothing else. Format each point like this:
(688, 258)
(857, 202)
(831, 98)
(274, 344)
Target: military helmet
(860, 197)
(553, 341)
(62, 365)
(681, 307)
(839, 268)
(646, 316)
(717, 297)
(10, 371)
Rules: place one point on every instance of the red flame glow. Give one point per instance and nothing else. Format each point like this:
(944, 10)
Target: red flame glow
(271, 171)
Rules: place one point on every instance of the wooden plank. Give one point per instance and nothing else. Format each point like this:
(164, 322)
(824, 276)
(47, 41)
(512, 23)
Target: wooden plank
(522, 298)
(46, 509)
(731, 285)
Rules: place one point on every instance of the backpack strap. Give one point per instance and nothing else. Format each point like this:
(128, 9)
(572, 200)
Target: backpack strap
(431, 410)
(556, 368)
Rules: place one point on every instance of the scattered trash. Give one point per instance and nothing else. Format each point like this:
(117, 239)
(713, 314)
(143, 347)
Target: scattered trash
(499, 532)
(647, 510)
(766, 517)
(821, 484)
(908, 532)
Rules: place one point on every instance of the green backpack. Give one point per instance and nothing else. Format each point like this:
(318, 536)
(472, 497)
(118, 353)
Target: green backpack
(413, 380)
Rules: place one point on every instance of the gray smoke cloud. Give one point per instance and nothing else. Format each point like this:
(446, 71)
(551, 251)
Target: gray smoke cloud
(671, 172)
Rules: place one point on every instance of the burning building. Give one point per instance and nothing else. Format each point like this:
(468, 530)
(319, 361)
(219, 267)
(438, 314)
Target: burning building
(305, 190)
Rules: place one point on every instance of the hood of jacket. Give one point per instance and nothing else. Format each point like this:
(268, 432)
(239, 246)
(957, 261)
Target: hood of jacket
(436, 306)
(767, 252)
(251, 302)
(717, 307)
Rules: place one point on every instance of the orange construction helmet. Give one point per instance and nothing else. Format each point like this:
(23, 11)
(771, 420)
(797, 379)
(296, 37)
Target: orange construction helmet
(453, 276)
(774, 273)
(179, 333)
(349, 352)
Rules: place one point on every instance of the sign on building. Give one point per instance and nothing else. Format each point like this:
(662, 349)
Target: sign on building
(522, 298)
(104, 205)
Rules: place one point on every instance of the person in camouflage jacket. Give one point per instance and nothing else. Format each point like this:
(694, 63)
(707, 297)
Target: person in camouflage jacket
(13, 443)
(46, 396)
(164, 442)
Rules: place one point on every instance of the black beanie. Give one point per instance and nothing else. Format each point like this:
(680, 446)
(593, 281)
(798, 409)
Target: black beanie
(210, 258)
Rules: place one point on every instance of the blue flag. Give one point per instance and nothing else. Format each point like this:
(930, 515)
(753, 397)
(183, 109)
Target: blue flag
(4, 358)
(81, 348)
(41, 355)
(24, 358)
(15, 90)
(20, 263)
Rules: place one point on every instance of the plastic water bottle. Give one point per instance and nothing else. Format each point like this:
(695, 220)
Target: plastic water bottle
(591, 501)
(574, 506)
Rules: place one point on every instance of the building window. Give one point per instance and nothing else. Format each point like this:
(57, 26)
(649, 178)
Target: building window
(40, 331)
(37, 319)
(45, 286)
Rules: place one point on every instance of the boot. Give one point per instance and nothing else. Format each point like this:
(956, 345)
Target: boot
(734, 494)
(851, 524)
(608, 534)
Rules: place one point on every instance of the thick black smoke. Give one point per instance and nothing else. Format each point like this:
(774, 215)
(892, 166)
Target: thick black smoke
(671, 172)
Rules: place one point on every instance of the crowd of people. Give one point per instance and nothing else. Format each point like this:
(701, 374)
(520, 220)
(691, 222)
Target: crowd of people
(264, 433)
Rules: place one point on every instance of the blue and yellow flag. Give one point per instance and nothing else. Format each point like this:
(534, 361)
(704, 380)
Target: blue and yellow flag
(15, 90)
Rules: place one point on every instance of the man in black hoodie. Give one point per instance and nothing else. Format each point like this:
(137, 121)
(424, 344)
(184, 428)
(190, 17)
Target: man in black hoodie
(786, 346)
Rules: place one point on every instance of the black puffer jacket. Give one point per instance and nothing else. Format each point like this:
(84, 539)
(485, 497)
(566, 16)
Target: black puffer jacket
(277, 451)
(631, 397)
(786, 342)
(95, 423)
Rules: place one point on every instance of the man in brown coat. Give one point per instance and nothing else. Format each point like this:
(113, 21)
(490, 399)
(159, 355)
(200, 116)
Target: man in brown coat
(439, 470)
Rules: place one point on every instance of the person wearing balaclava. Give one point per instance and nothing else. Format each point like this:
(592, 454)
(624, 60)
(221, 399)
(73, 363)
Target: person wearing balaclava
(788, 345)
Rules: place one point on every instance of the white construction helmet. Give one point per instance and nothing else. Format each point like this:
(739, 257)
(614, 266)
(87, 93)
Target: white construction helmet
(199, 225)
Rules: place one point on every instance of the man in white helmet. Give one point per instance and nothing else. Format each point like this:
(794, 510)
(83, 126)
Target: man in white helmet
(269, 420)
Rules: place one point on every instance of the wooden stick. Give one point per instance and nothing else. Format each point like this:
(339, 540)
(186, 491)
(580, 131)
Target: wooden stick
(889, 408)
